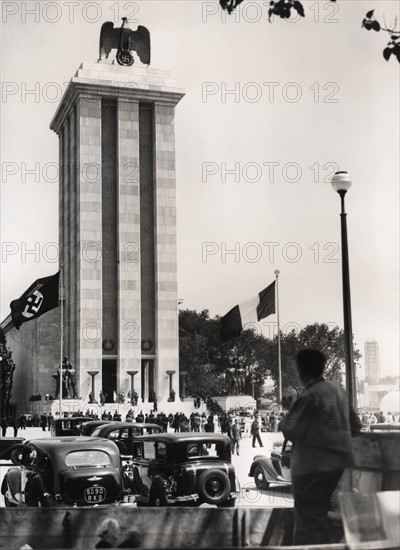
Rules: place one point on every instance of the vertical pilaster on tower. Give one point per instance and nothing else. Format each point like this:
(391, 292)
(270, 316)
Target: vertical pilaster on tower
(166, 260)
(118, 227)
(129, 238)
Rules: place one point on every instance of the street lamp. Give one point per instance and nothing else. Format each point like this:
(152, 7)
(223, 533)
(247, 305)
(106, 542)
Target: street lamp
(341, 183)
(277, 273)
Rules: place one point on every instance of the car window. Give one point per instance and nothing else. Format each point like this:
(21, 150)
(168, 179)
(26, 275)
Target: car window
(124, 434)
(95, 432)
(149, 450)
(288, 447)
(88, 458)
(161, 452)
(150, 430)
(114, 434)
(208, 450)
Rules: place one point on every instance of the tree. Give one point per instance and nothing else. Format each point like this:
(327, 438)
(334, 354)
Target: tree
(7, 368)
(286, 8)
(317, 336)
(214, 368)
(206, 360)
(199, 353)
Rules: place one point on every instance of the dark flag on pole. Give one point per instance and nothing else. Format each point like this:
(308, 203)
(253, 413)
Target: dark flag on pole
(247, 313)
(41, 296)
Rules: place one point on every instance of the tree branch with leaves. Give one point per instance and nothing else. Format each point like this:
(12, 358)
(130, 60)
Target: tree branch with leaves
(393, 47)
(286, 8)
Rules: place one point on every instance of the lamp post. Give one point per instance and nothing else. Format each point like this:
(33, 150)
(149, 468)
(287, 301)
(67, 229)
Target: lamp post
(341, 183)
(277, 272)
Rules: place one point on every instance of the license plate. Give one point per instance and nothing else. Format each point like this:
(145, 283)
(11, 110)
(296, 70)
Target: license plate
(95, 494)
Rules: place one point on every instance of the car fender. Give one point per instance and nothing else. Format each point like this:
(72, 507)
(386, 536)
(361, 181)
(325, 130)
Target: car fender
(6, 453)
(267, 465)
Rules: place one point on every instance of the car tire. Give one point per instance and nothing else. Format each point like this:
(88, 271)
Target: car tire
(16, 456)
(214, 486)
(157, 494)
(259, 478)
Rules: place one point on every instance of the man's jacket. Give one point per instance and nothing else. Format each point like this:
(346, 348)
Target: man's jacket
(320, 424)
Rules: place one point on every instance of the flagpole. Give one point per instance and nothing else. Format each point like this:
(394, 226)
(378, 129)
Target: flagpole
(61, 294)
(279, 343)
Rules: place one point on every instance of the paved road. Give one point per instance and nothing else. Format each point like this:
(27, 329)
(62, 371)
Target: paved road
(275, 496)
(249, 494)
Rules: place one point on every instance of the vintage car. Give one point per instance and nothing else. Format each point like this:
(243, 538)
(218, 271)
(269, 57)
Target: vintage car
(125, 433)
(67, 426)
(186, 469)
(9, 447)
(87, 428)
(66, 471)
(274, 469)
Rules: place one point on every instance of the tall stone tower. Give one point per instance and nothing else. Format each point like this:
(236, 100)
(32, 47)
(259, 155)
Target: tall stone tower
(372, 364)
(118, 229)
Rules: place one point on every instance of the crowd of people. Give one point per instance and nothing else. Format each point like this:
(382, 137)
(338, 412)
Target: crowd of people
(368, 418)
(23, 421)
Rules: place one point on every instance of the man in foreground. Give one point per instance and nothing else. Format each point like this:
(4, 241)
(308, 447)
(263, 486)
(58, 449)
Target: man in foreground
(320, 424)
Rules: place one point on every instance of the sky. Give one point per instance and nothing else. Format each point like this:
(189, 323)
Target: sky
(271, 111)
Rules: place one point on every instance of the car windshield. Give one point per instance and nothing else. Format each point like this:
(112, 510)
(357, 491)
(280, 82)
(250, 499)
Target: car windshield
(88, 458)
(209, 450)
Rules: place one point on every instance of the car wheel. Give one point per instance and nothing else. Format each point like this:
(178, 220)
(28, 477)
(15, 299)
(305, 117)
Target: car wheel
(259, 478)
(214, 486)
(16, 456)
(157, 495)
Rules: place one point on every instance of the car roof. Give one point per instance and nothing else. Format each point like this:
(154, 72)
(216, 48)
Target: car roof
(111, 426)
(186, 436)
(95, 423)
(62, 445)
(74, 418)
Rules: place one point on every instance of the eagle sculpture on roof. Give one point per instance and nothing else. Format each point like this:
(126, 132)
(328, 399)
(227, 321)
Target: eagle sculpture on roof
(125, 41)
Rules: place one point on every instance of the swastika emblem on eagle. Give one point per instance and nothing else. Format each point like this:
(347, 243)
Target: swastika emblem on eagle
(34, 302)
(125, 41)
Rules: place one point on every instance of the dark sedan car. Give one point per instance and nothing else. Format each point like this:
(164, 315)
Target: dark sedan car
(66, 471)
(183, 469)
(70, 425)
(87, 428)
(124, 434)
(273, 469)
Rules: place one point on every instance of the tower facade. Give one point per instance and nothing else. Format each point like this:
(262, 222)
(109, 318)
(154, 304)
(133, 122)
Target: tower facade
(117, 205)
(372, 365)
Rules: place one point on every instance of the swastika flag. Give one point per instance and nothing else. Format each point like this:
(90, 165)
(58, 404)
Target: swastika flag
(40, 297)
(246, 314)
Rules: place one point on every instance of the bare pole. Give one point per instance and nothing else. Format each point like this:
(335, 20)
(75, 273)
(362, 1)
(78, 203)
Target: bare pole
(61, 298)
(279, 342)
